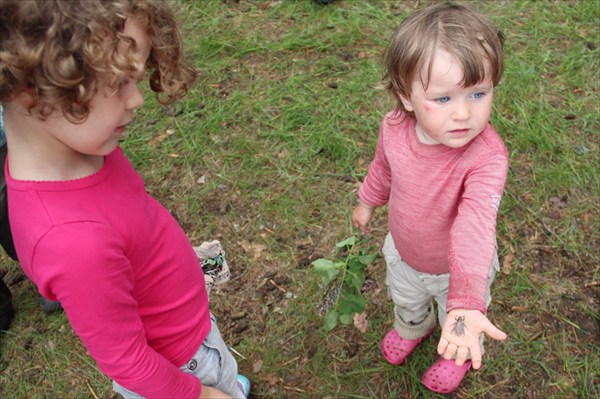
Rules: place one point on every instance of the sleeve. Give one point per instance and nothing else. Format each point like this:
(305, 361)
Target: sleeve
(375, 189)
(473, 234)
(84, 266)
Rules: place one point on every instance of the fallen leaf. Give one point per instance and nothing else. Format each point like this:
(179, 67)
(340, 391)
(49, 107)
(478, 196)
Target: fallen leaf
(238, 315)
(271, 379)
(361, 322)
(157, 139)
(507, 263)
(255, 249)
(257, 366)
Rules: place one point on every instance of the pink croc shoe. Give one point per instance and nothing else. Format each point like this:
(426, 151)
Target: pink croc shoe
(445, 376)
(396, 349)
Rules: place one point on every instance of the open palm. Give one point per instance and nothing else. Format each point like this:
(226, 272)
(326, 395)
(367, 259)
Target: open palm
(461, 334)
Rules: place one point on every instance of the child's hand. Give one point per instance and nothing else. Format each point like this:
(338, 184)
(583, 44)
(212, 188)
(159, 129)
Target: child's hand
(361, 217)
(213, 393)
(460, 335)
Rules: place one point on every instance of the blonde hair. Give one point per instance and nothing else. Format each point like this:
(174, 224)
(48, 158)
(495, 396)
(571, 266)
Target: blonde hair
(56, 51)
(462, 31)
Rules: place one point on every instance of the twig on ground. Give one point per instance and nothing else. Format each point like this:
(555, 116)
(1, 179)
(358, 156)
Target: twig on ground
(91, 390)
(288, 388)
(237, 353)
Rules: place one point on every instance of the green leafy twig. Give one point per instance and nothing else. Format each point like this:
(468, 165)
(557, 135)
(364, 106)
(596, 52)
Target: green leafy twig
(343, 279)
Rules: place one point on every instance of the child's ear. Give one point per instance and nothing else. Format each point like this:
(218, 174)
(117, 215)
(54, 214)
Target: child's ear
(407, 103)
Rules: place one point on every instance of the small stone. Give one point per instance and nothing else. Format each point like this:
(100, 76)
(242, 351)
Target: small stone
(581, 149)
(353, 349)
(240, 328)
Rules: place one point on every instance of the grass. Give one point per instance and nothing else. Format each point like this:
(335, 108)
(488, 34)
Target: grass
(281, 128)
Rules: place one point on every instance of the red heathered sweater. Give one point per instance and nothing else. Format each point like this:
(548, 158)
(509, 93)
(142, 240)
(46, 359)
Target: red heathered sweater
(442, 204)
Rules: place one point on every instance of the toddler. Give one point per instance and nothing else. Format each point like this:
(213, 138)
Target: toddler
(441, 169)
(85, 230)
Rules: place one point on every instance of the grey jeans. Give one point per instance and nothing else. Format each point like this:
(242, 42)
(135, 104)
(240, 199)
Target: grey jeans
(413, 293)
(212, 364)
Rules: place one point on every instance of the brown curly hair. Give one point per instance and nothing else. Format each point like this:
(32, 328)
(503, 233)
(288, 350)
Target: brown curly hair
(461, 30)
(57, 50)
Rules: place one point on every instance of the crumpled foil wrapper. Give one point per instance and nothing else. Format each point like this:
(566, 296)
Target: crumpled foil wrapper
(213, 262)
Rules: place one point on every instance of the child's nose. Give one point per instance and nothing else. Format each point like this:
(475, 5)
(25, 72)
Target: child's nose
(461, 110)
(135, 99)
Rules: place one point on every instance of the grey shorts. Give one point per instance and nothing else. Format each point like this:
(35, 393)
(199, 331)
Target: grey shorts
(212, 364)
(413, 293)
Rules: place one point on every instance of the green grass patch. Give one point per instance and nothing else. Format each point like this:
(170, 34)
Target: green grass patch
(265, 154)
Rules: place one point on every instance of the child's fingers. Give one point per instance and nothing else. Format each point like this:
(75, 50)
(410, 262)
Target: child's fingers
(495, 333)
(476, 356)
(461, 355)
(450, 351)
(364, 229)
(441, 348)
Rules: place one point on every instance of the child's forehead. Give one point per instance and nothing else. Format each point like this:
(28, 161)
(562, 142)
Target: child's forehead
(446, 65)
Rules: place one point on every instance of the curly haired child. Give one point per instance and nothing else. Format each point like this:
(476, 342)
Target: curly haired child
(441, 169)
(85, 230)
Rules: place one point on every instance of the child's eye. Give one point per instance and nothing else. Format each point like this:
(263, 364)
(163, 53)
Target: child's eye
(478, 95)
(442, 100)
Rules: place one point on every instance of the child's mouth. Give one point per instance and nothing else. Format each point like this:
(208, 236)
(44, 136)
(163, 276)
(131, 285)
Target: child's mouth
(120, 129)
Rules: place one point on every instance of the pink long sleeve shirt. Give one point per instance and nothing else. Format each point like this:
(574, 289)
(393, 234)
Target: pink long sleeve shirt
(442, 204)
(123, 270)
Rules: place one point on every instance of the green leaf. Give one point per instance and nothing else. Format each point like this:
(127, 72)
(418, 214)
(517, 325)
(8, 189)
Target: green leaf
(348, 269)
(322, 264)
(367, 259)
(331, 320)
(327, 269)
(354, 280)
(350, 304)
(346, 318)
(348, 242)
(354, 264)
